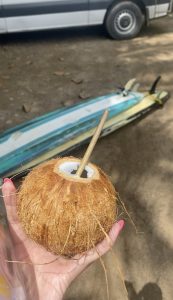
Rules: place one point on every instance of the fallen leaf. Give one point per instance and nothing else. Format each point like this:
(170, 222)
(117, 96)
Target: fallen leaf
(29, 62)
(5, 77)
(77, 80)
(68, 103)
(26, 107)
(58, 73)
(84, 95)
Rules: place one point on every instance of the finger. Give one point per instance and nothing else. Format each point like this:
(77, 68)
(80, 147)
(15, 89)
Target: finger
(109, 241)
(9, 195)
(7, 270)
(102, 247)
(10, 199)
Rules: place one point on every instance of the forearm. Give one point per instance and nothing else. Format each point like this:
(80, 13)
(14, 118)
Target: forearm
(18, 293)
(38, 284)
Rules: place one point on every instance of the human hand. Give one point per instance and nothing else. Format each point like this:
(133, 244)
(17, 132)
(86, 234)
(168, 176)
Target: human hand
(41, 274)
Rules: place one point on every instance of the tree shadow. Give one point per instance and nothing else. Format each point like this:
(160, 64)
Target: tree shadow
(149, 291)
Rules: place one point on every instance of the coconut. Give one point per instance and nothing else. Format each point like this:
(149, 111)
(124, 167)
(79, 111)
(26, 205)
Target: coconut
(65, 213)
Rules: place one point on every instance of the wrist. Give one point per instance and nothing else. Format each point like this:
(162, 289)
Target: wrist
(18, 293)
(51, 291)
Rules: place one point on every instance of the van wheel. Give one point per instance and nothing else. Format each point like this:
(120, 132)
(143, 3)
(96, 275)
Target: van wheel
(124, 20)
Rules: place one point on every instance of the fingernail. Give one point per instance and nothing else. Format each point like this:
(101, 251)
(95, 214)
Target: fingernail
(121, 224)
(7, 180)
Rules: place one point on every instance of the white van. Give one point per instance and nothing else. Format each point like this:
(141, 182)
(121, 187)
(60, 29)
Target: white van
(122, 19)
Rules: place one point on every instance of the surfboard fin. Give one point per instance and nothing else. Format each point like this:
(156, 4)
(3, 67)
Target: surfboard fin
(131, 86)
(162, 97)
(135, 88)
(154, 85)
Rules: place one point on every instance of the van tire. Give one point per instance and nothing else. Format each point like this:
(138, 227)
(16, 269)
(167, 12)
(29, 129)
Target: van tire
(124, 20)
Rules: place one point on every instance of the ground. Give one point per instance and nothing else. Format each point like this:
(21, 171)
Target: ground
(42, 71)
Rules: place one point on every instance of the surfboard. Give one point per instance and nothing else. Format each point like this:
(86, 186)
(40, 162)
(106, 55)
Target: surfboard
(60, 131)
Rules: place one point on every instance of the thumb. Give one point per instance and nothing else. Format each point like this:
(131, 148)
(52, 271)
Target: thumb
(100, 249)
(10, 199)
(9, 195)
(103, 247)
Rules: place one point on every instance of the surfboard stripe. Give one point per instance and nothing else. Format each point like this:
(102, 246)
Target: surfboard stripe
(45, 141)
(34, 134)
(111, 125)
(53, 139)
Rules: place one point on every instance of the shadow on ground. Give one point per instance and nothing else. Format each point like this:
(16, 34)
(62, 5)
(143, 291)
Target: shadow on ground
(149, 291)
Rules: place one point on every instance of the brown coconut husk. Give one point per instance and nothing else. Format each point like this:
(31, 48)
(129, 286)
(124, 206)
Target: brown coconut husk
(64, 213)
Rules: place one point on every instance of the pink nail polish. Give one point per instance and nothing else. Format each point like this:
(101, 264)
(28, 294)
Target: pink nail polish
(7, 180)
(121, 223)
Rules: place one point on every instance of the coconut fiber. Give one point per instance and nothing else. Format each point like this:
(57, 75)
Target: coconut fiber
(64, 213)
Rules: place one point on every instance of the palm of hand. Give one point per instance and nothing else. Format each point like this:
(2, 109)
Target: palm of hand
(42, 274)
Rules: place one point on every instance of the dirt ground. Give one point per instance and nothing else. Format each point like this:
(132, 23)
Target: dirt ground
(42, 71)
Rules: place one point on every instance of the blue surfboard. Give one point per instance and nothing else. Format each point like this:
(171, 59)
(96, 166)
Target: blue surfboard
(56, 133)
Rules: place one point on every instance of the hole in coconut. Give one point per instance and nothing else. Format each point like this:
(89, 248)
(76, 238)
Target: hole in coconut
(83, 175)
(70, 168)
